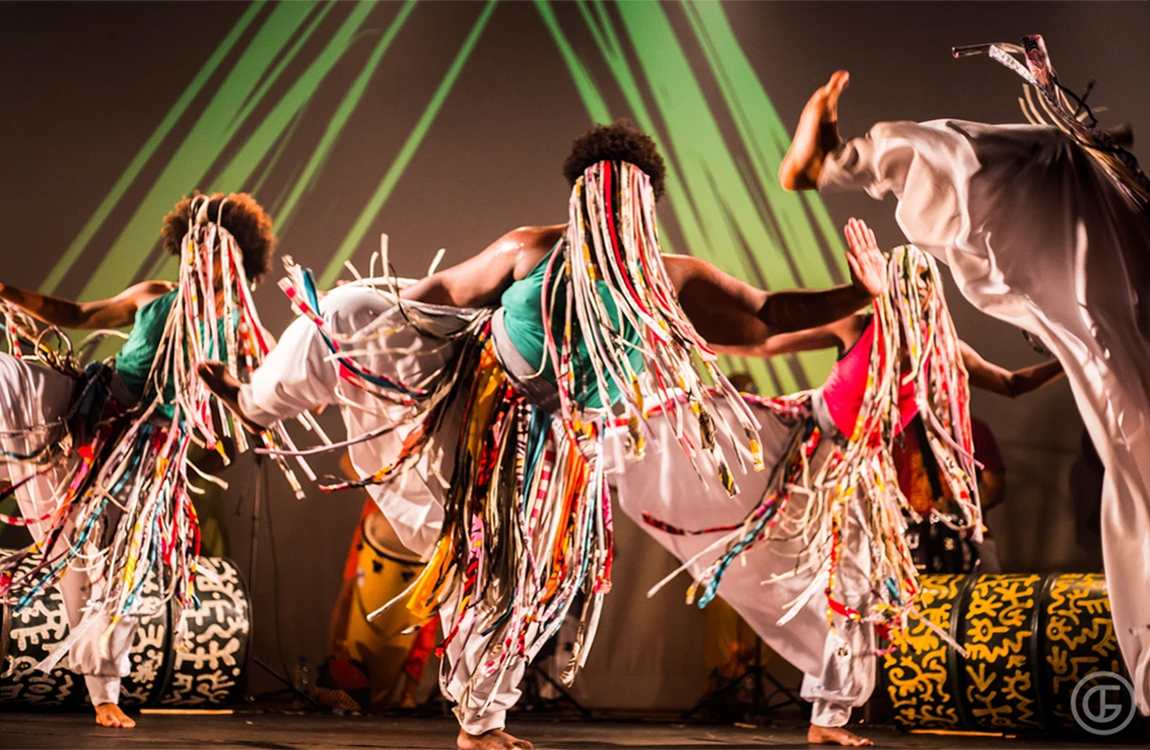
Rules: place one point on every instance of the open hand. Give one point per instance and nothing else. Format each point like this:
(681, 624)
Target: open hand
(867, 262)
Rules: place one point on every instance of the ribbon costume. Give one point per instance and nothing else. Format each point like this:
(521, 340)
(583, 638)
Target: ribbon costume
(812, 552)
(492, 463)
(100, 473)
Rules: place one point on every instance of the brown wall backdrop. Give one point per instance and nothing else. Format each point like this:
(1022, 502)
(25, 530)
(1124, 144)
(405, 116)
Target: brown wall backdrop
(87, 85)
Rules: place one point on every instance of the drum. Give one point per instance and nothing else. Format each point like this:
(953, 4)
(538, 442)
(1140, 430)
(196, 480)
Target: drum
(385, 569)
(202, 670)
(1029, 641)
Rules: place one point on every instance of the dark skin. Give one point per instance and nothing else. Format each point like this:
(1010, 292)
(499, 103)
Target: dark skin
(725, 311)
(115, 312)
(731, 315)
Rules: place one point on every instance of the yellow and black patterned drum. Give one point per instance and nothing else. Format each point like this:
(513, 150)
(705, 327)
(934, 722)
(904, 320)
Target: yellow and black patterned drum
(1029, 641)
(385, 569)
(205, 671)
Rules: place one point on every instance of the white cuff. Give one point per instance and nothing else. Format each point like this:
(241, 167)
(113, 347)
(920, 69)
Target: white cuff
(479, 724)
(103, 689)
(824, 713)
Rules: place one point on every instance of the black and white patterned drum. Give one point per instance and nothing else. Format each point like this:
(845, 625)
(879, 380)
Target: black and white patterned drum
(29, 636)
(203, 671)
(207, 667)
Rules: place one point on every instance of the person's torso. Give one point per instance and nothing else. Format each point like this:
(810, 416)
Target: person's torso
(135, 359)
(846, 385)
(523, 318)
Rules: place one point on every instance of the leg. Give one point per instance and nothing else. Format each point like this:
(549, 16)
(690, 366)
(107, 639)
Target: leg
(34, 399)
(816, 136)
(849, 662)
(101, 675)
(478, 729)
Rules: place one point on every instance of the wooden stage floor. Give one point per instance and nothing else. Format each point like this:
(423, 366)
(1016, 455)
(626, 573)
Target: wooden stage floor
(307, 731)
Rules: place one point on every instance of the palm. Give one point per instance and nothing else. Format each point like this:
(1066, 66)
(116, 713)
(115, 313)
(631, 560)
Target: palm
(866, 261)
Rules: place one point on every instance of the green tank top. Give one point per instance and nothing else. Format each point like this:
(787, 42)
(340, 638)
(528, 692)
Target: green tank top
(523, 320)
(134, 362)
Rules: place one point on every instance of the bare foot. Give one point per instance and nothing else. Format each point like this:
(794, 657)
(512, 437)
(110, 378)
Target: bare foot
(226, 388)
(110, 715)
(817, 735)
(815, 137)
(495, 739)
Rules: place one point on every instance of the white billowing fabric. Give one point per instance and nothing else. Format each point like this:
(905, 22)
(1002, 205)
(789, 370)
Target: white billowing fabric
(1037, 235)
(33, 402)
(463, 657)
(298, 375)
(839, 666)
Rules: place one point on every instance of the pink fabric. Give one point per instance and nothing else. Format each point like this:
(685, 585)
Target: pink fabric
(845, 386)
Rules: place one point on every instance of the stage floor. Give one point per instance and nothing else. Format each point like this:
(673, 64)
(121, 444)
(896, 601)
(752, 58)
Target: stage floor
(278, 730)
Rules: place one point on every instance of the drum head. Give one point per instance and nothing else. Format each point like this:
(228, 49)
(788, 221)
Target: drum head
(378, 534)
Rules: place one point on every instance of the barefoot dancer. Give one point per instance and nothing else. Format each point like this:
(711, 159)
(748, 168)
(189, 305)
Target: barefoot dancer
(65, 437)
(1046, 228)
(658, 494)
(513, 508)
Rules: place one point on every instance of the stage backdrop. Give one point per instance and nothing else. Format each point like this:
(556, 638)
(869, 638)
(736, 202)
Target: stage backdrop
(445, 124)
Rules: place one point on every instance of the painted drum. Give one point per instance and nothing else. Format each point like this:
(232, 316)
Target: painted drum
(202, 668)
(1030, 640)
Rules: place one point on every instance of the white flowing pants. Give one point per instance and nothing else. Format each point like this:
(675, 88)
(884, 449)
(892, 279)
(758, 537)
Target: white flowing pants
(298, 375)
(33, 401)
(1036, 234)
(838, 664)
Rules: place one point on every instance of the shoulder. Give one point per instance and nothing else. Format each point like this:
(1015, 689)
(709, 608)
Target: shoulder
(529, 245)
(147, 291)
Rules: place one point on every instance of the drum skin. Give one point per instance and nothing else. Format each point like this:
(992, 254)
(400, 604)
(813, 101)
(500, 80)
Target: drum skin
(1029, 640)
(203, 670)
(384, 571)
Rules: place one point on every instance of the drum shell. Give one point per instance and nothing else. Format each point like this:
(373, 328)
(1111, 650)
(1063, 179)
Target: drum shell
(1029, 640)
(383, 572)
(205, 674)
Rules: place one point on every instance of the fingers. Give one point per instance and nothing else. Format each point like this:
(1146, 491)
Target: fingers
(856, 269)
(853, 237)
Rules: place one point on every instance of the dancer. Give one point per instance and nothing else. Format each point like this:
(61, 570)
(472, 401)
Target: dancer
(1047, 228)
(824, 452)
(491, 423)
(72, 441)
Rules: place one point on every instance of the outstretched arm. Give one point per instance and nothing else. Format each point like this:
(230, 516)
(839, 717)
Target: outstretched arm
(740, 319)
(481, 280)
(106, 313)
(991, 377)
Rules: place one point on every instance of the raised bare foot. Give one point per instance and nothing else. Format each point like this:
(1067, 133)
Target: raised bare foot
(226, 388)
(110, 715)
(817, 735)
(495, 739)
(815, 137)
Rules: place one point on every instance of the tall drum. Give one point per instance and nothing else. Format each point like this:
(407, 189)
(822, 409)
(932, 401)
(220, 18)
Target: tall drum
(1029, 641)
(385, 569)
(203, 670)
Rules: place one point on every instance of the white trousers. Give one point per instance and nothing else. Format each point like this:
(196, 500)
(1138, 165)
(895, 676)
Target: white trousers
(838, 663)
(1036, 235)
(33, 401)
(298, 375)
